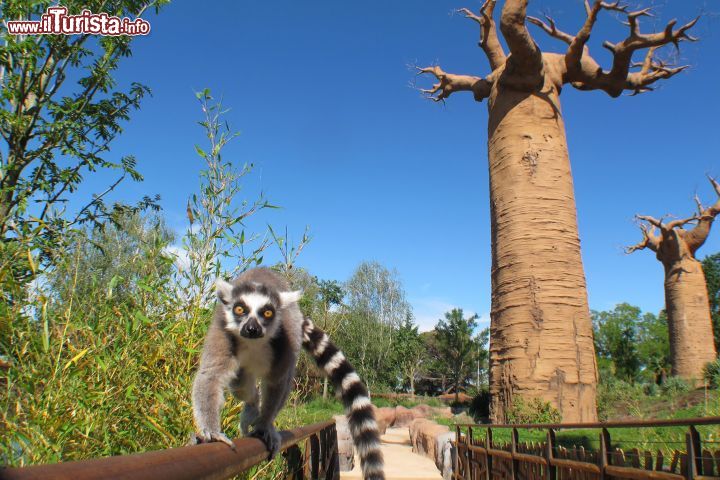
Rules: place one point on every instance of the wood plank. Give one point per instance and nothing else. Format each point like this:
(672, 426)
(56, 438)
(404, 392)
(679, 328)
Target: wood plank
(583, 467)
(634, 455)
(648, 460)
(707, 463)
(675, 460)
(627, 472)
(659, 459)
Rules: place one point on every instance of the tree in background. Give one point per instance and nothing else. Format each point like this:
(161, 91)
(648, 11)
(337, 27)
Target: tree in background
(408, 353)
(376, 307)
(457, 346)
(58, 131)
(654, 346)
(630, 345)
(320, 301)
(541, 332)
(686, 294)
(60, 110)
(482, 341)
(711, 269)
(616, 341)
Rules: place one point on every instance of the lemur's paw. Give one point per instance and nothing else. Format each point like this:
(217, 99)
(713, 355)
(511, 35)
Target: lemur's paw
(270, 437)
(207, 436)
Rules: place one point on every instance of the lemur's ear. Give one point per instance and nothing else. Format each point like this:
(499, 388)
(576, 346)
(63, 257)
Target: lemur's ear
(223, 290)
(286, 298)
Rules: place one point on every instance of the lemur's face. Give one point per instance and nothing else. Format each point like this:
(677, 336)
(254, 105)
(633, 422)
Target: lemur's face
(252, 310)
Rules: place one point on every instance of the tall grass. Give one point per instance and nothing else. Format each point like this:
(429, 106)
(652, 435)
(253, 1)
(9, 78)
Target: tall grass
(99, 359)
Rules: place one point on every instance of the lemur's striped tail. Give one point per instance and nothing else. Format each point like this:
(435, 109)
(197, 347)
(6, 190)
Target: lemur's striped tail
(359, 410)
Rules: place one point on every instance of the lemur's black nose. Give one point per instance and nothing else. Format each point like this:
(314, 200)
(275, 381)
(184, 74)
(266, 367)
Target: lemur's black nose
(251, 329)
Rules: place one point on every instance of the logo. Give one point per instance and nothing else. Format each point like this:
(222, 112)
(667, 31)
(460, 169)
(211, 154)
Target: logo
(56, 21)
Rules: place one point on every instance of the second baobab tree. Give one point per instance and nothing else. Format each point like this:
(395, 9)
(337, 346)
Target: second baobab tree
(686, 296)
(541, 342)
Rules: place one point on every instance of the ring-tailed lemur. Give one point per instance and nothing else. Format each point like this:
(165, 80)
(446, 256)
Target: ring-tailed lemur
(256, 334)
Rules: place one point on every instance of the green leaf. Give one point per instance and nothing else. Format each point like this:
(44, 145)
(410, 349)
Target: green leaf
(200, 152)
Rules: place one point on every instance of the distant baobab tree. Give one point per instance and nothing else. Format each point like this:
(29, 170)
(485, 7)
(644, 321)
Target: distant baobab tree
(541, 335)
(686, 298)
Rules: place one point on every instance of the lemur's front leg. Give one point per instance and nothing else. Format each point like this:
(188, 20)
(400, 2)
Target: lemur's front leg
(274, 395)
(243, 387)
(208, 399)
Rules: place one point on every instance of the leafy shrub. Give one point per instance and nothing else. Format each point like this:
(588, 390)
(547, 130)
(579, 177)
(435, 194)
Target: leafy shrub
(613, 392)
(532, 411)
(651, 389)
(711, 373)
(675, 386)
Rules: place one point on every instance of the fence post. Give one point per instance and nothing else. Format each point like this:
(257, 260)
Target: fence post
(513, 450)
(314, 457)
(694, 451)
(293, 456)
(334, 463)
(489, 456)
(550, 470)
(456, 462)
(604, 452)
(468, 454)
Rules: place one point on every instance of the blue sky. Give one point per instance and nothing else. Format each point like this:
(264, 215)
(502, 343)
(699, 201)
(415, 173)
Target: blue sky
(322, 94)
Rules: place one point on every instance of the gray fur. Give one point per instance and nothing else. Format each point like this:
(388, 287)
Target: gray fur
(241, 348)
(230, 361)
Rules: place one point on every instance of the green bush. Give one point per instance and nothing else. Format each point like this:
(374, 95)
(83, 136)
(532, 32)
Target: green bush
(675, 386)
(613, 393)
(532, 411)
(711, 373)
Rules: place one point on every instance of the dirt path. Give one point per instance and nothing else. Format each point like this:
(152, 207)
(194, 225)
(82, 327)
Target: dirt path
(400, 461)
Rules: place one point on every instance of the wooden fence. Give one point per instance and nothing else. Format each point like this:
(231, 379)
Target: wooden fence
(310, 452)
(481, 457)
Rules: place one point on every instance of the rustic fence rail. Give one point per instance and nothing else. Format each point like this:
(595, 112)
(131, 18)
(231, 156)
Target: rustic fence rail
(310, 453)
(480, 457)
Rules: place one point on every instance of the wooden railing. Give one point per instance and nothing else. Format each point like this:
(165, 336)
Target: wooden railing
(481, 457)
(310, 453)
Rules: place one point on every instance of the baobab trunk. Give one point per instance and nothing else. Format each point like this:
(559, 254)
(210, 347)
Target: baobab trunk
(686, 300)
(541, 343)
(688, 311)
(541, 333)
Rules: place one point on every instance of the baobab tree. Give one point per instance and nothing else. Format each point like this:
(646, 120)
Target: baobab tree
(686, 298)
(541, 335)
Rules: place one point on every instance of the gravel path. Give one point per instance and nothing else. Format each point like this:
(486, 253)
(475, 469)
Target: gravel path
(400, 461)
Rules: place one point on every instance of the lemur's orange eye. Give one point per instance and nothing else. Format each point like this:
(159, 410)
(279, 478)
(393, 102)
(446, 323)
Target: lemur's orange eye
(239, 310)
(267, 313)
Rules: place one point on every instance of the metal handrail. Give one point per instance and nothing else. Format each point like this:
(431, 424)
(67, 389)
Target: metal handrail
(206, 461)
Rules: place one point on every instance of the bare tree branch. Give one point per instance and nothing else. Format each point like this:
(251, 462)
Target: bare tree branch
(585, 73)
(449, 83)
(650, 240)
(696, 237)
(578, 47)
(681, 222)
(489, 41)
(651, 220)
(551, 29)
(525, 62)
